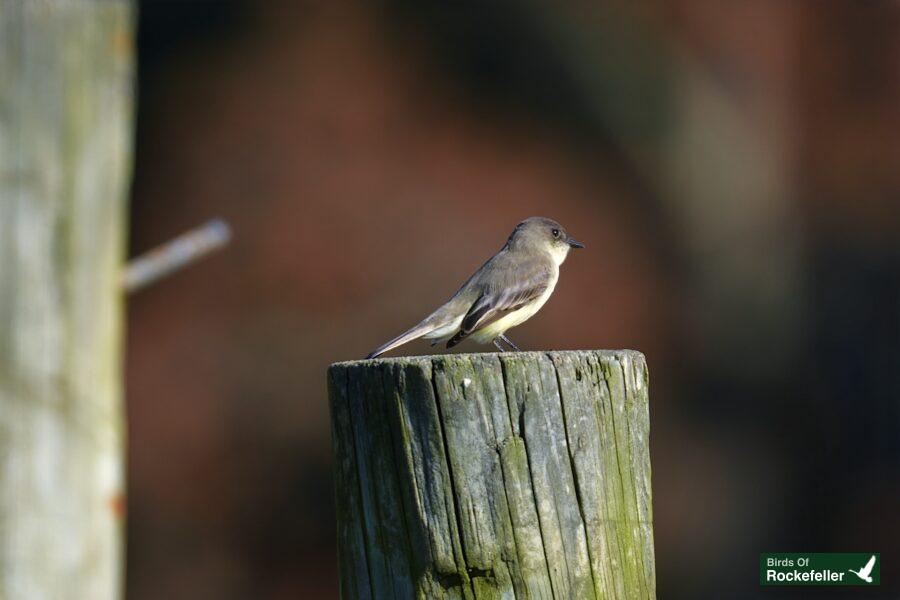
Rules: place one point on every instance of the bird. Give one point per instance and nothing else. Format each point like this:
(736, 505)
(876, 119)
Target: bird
(866, 572)
(506, 291)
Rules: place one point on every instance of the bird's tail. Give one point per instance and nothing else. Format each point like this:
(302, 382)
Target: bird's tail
(423, 328)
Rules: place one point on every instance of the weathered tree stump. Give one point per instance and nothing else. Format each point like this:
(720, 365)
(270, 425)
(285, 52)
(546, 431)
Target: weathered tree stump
(517, 475)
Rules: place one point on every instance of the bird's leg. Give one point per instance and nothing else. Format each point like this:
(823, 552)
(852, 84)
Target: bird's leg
(509, 341)
(497, 343)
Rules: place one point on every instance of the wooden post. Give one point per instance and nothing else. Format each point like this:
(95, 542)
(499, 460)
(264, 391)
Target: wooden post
(66, 70)
(516, 475)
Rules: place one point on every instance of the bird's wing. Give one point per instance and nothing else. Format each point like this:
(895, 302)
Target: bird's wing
(512, 286)
(868, 568)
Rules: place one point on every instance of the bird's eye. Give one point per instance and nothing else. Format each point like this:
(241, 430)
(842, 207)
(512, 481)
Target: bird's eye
(555, 233)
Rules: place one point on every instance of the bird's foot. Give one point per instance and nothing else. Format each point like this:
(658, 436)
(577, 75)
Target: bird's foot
(511, 345)
(499, 347)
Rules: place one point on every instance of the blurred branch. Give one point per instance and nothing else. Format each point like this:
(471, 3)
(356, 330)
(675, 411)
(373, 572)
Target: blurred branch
(176, 254)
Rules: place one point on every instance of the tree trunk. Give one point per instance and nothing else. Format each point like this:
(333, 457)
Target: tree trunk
(519, 475)
(66, 75)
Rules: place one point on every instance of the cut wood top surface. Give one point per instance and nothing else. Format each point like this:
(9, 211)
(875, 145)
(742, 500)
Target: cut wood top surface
(632, 354)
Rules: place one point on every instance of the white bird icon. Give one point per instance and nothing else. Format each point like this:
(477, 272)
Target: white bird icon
(865, 572)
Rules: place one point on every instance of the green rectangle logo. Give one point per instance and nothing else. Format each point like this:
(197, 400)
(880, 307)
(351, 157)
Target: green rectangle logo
(812, 568)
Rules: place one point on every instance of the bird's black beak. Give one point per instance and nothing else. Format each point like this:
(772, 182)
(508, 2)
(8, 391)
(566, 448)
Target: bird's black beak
(574, 243)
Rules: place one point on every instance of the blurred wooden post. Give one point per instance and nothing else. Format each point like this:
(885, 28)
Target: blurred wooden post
(519, 475)
(66, 75)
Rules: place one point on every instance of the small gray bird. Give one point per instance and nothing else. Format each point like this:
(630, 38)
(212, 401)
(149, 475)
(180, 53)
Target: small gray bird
(506, 291)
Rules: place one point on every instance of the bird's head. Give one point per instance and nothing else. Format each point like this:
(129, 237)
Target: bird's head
(539, 234)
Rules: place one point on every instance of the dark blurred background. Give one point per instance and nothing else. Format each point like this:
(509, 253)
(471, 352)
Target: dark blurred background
(733, 168)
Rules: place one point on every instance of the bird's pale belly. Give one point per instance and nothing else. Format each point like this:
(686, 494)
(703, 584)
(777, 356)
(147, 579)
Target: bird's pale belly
(500, 326)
